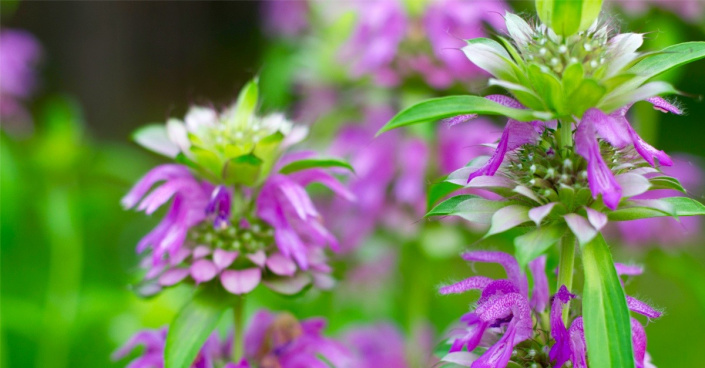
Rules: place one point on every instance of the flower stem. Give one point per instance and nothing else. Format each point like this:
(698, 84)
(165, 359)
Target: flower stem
(565, 131)
(238, 342)
(565, 268)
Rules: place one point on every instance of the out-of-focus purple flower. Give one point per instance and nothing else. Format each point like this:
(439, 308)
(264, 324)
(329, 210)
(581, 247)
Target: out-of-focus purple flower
(504, 304)
(660, 231)
(402, 173)
(458, 142)
(688, 9)
(283, 341)
(447, 24)
(20, 53)
(380, 345)
(381, 26)
(153, 341)
(288, 18)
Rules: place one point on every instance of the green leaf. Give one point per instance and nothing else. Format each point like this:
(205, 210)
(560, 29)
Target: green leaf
(267, 149)
(507, 218)
(567, 17)
(608, 331)
(445, 107)
(586, 95)
(246, 103)
(469, 207)
(439, 190)
(190, 330)
(666, 182)
(669, 58)
(243, 169)
(548, 87)
(207, 160)
(671, 206)
(315, 162)
(536, 242)
(572, 77)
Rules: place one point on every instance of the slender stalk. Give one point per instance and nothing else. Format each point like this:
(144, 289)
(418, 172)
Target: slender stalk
(565, 134)
(238, 342)
(565, 268)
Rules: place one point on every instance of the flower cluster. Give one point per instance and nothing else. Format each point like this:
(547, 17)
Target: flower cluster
(272, 340)
(389, 42)
(239, 210)
(511, 324)
(20, 53)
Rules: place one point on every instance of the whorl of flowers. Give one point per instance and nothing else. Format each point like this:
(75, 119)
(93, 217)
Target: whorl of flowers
(239, 211)
(568, 161)
(388, 40)
(271, 341)
(509, 324)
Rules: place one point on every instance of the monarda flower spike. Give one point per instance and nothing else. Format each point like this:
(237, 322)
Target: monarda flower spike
(238, 215)
(567, 163)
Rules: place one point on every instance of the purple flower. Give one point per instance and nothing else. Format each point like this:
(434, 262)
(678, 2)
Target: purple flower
(402, 174)
(464, 139)
(284, 204)
(515, 135)
(616, 130)
(153, 341)
(188, 208)
(20, 53)
(660, 230)
(600, 177)
(282, 341)
(380, 345)
(185, 246)
(270, 341)
(447, 24)
(381, 26)
(288, 18)
(689, 9)
(503, 307)
(570, 343)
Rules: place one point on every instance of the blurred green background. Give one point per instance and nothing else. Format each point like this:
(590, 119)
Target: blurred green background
(67, 256)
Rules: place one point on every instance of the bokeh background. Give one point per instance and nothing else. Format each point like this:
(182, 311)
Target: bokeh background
(67, 252)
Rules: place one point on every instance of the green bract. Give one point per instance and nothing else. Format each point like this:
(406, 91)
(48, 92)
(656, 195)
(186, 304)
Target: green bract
(235, 146)
(567, 17)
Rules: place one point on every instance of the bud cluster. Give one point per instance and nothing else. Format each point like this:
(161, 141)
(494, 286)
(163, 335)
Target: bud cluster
(552, 52)
(248, 236)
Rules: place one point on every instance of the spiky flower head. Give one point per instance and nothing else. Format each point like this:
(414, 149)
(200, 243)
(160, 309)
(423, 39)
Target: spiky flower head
(239, 212)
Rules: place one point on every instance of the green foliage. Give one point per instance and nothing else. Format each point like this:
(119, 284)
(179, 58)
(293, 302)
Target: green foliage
(445, 107)
(310, 163)
(192, 326)
(608, 332)
(536, 242)
(567, 17)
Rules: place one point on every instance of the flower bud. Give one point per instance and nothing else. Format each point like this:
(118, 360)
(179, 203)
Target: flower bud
(567, 17)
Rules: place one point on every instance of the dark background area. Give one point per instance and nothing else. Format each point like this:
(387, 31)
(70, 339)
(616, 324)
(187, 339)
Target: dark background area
(145, 60)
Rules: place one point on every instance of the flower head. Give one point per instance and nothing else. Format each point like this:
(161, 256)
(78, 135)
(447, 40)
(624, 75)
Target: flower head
(503, 310)
(252, 223)
(20, 53)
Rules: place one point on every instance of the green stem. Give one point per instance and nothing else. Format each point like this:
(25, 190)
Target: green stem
(565, 133)
(238, 342)
(565, 268)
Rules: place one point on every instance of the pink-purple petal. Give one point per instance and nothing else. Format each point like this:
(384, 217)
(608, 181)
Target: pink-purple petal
(241, 281)
(203, 270)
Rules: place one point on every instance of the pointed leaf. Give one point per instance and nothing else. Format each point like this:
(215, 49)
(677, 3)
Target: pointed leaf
(666, 182)
(471, 208)
(243, 169)
(507, 218)
(632, 184)
(647, 208)
(606, 317)
(536, 242)
(154, 138)
(669, 58)
(190, 330)
(315, 162)
(439, 190)
(445, 107)
(581, 227)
